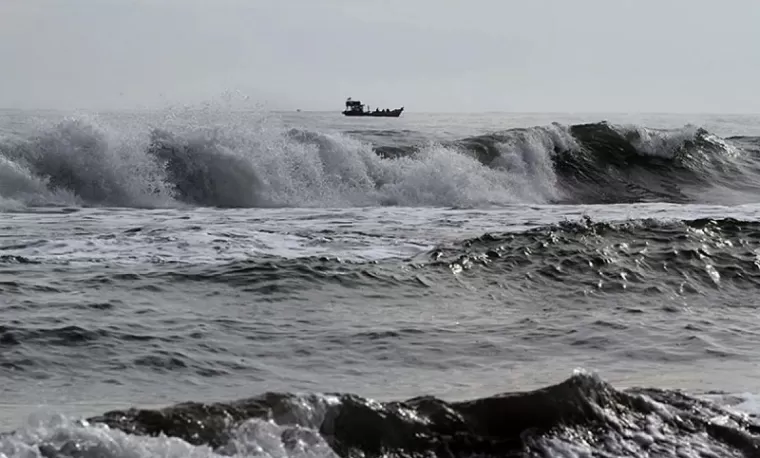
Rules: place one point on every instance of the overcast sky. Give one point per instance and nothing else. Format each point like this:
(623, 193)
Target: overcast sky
(428, 55)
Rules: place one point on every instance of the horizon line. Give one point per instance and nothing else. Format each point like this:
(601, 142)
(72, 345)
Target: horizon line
(406, 112)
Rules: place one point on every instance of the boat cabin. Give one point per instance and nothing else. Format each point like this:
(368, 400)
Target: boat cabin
(354, 106)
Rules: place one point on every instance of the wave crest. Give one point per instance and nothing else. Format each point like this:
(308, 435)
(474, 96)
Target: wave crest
(634, 256)
(81, 162)
(581, 415)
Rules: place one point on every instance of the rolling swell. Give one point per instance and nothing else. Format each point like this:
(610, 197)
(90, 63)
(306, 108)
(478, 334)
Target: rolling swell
(635, 257)
(638, 258)
(578, 417)
(78, 162)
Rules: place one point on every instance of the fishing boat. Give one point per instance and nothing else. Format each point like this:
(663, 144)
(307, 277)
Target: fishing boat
(356, 108)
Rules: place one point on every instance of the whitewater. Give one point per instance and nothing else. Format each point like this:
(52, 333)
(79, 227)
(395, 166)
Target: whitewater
(209, 281)
(251, 161)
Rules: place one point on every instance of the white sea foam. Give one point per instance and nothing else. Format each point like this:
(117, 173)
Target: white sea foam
(83, 160)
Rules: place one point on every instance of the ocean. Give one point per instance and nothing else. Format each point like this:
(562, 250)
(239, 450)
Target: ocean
(225, 282)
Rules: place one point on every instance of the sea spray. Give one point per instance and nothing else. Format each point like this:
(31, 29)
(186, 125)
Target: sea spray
(260, 163)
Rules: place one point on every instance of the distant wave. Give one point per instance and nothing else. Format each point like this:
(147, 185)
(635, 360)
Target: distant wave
(582, 416)
(80, 163)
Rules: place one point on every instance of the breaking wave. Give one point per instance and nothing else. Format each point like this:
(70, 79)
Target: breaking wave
(582, 416)
(78, 162)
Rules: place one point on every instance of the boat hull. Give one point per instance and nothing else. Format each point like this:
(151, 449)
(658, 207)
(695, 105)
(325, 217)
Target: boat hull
(375, 114)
